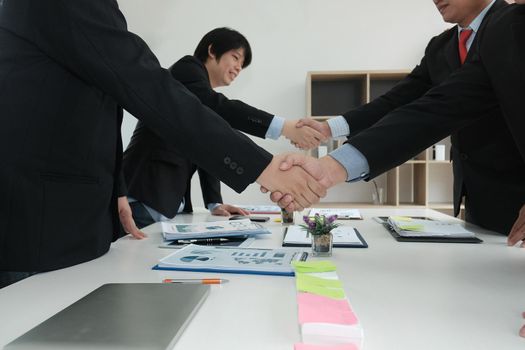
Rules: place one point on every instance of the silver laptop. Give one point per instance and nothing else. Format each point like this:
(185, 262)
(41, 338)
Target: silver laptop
(119, 316)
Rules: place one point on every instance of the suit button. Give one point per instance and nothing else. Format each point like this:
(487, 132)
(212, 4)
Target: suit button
(240, 170)
(233, 165)
(227, 160)
(463, 156)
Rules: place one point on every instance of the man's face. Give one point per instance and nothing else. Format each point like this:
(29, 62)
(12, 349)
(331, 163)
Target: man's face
(460, 12)
(224, 71)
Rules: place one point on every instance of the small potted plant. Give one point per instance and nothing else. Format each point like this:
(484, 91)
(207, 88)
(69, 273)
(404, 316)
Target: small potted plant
(320, 227)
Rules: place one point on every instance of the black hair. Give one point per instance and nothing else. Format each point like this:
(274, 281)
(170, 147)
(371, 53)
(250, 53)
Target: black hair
(223, 40)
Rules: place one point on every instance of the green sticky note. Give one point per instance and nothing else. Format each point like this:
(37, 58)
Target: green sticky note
(411, 227)
(401, 218)
(318, 281)
(313, 266)
(334, 293)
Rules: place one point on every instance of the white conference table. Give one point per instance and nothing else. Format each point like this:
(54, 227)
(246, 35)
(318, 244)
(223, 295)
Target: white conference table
(408, 296)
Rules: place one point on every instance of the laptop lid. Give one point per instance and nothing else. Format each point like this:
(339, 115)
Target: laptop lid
(119, 316)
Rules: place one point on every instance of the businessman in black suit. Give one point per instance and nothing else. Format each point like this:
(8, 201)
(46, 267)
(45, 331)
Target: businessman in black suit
(66, 70)
(482, 153)
(492, 78)
(158, 174)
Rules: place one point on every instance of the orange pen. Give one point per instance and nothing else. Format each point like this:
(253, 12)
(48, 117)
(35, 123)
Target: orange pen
(196, 280)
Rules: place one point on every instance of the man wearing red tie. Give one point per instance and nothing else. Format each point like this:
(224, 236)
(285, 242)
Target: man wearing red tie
(483, 153)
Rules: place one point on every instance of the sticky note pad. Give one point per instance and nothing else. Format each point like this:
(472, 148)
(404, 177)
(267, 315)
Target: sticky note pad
(318, 281)
(318, 309)
(401, 218)
(411, 227)
(313, 266)
(306, 286)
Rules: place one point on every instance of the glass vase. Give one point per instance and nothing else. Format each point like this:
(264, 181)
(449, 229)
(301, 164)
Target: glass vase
(322, 244)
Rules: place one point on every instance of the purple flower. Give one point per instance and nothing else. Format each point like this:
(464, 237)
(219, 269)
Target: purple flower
(319, 224)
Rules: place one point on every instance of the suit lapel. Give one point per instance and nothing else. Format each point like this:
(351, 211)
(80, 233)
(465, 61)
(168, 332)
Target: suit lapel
(452, 52)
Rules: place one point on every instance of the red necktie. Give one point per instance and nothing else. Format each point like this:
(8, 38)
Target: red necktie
(463, 38)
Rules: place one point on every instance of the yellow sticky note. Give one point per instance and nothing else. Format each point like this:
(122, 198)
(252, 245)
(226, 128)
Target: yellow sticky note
(334, 293)
(411, 227)
(318, 281)
(401, 218)
(313, 266)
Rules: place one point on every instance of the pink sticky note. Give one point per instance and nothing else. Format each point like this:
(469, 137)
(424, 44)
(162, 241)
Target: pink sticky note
(301, 346)
(318, 309)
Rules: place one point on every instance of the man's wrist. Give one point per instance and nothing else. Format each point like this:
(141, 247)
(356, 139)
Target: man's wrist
(213, 206)
(287, 126)
(337, 171)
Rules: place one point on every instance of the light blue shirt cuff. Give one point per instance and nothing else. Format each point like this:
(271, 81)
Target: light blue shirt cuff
(276, 128)
(338, 126)
(353, 161)
(212, 206)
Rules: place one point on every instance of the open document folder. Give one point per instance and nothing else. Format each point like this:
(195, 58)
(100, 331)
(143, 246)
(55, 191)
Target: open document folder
(343, 236)
(342, 213)
(210, 229)
(405, 228)
(233, 260)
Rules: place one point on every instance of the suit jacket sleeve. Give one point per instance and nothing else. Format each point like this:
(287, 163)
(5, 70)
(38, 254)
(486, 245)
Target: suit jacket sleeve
(210, 187)
(415, 85)
(91, 39)
(122, 188)
(191, 72)
(464, 97)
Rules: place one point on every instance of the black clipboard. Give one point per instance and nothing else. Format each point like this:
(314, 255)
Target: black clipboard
(384, 222)
(363, 244)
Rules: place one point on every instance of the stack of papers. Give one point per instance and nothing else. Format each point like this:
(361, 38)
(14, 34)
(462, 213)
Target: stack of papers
(410, 227)
(233, 260)
(342, 213)
(172, 231)
(261, 209)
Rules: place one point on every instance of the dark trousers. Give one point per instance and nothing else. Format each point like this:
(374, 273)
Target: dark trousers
(9, 277)
(140, 215)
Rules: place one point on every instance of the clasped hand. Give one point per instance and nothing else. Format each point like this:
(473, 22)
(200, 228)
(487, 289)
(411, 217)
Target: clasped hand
(306, 133)
(301, 181)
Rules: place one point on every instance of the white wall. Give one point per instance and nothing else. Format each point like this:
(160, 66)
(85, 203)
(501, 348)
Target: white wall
(289, 38)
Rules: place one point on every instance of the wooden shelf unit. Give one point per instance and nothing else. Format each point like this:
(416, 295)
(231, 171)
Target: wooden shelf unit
(331, 93)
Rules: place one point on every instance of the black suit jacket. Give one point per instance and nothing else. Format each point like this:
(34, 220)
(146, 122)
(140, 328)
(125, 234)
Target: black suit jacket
(158, 173)
(492, 78)
(474, 147)
(66, 67)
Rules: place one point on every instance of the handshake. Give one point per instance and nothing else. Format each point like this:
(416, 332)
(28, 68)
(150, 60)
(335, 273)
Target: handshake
(297, 181)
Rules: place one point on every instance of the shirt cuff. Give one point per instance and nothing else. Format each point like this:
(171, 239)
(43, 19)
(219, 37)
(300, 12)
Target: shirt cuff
(353, 161)
(338, 126)
(212, 206)
(275, 129)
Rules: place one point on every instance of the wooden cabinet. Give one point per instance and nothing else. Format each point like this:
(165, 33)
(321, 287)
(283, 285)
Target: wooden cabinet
(421, 181)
